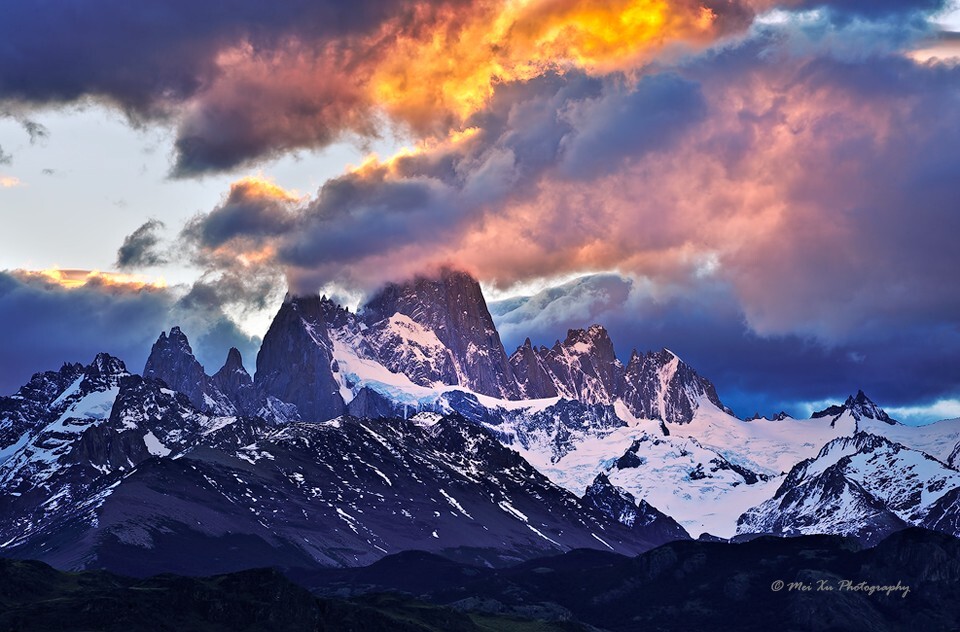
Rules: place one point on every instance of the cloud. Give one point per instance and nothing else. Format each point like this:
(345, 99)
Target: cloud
(140, 248)
(876, 8)
(195, 65)
(265, 103)
(36, 131)
(9, 182)
(146, 60)
(780, 174)
(789, 180)
(245, 82)
(254, 210)
(5, 158)
(50, 323)
(635, 121)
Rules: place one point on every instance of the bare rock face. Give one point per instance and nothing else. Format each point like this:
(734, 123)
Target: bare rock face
(438, 331)
(407, 347)
(236, 384)
(659, 385)
(620, 505)
(452, 309)
(945, 514)
(533, 377)
(172, 362)
(585, 366)
(295, 364)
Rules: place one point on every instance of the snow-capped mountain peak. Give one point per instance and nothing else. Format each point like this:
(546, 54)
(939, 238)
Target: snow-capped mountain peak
(858, 406)
(451, 306)
(862, 485)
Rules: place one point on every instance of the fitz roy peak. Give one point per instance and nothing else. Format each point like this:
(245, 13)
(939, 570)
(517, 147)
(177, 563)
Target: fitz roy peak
(406, 425)
(453, 310)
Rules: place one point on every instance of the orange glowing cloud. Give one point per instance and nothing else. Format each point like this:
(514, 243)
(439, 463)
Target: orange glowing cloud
(455, 140)
(262, 188)
(426, 73)
(8, 182)
(455, 66)
(73, 278)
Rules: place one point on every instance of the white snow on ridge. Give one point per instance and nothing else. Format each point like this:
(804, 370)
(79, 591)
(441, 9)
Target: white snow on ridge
(95, 406)
(710, 503)
(768, 447)
(12, 449)
(456, 505)
(68, 392)
(666, 374)
(355, 372)
(937, 439)
(513, 511)
(154, 445)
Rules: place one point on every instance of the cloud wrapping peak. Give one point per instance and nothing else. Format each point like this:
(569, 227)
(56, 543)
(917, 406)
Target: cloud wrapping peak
(794, 178)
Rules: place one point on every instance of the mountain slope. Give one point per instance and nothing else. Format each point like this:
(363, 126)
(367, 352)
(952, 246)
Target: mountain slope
(149, 484)
(864, 485)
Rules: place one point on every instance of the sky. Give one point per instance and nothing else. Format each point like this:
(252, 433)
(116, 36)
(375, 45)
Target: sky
(770, 188)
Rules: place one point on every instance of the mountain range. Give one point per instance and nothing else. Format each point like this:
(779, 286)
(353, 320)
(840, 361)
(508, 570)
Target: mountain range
(407, 425)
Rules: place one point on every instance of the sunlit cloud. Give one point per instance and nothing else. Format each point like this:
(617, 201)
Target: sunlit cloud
(944, 47)
(455, 66)
(9, 182)
(68, 278)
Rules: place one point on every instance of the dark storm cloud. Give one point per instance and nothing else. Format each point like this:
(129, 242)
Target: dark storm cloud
(140, 248)
(790, 196)
(48, 325)
(140, 56)
(569, 126)
(247, 289)
(875, 8)
(354, 217)
(253, 210)
(5, 158)
(272, 103)
(250, 74)
(201, 314)
(848, 147)
(630, 123)
(247, 80)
